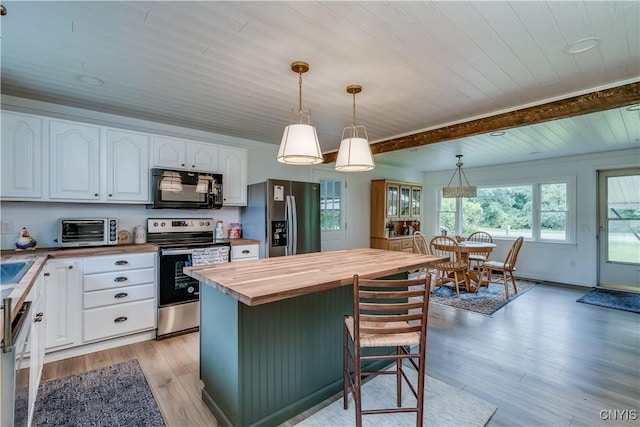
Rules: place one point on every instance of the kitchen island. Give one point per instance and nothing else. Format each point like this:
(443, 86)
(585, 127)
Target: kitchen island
(271, 329)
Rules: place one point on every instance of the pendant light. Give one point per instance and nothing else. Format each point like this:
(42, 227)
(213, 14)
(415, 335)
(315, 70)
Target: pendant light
(299, 145)
(355, 153)
(459, 190)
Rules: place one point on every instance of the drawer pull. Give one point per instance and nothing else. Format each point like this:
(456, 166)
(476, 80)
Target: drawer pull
(246, 251)
(120, 319)
(121, 295)
(120, 279)
(123, 262)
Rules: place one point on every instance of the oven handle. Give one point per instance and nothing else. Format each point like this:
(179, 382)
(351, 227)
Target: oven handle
(176, 252)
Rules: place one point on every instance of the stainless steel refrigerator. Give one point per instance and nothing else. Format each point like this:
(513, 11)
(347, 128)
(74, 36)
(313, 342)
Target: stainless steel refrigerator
(284, 216)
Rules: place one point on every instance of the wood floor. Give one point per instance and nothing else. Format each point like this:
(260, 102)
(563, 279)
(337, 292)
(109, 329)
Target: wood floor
(543, 360)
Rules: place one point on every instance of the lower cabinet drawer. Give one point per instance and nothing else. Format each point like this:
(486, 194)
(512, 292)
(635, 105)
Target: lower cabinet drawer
(120, 319)
(244, 252)
(118, 295)
(118, 279)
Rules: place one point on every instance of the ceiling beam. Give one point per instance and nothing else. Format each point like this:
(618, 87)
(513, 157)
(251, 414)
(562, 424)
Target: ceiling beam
(606, 99)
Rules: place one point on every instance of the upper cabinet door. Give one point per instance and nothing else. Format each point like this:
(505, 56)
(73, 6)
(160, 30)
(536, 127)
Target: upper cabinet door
(169, 152)
(75, 161)
(233, 167)
(21, 156)
(393, 197)
(202, 156)
(405, 201)
(416, 193)
(127, 166)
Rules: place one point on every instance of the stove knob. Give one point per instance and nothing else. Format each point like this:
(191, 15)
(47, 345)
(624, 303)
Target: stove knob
(162, 224)
(155, 224)
(201, 223)
(208, 223)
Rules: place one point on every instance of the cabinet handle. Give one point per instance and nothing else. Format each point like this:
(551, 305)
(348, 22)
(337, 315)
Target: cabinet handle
(120, 319)
(246, 251)
(120, 279)
(110, 195)
(121, 295)
(47, 274)
(71, 267)
(95, 194)
(182, 164)
(123, 262)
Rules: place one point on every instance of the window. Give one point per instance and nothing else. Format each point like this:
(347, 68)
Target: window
(330, 197)
(534, 211)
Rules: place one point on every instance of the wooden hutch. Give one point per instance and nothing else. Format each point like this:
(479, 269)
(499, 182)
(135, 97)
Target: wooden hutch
(395, 214)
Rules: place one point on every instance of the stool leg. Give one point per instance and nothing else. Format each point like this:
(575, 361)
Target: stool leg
(345, 366)
(398, 378)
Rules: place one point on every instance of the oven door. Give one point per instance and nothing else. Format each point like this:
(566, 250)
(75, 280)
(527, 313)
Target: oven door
(175, 287)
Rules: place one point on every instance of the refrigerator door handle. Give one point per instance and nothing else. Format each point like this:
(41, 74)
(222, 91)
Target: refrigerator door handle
(294, 226)
(287, 216)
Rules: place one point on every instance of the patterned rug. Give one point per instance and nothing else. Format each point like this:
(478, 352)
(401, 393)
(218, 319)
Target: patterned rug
(117, 395)
(486, 301)
(620, 300)
(444, 406)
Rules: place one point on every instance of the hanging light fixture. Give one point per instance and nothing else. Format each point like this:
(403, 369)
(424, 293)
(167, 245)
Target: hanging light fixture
(299, 145)
(460, 190)
(355, 153)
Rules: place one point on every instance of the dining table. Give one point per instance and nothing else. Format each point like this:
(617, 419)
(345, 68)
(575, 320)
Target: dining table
(468, 247)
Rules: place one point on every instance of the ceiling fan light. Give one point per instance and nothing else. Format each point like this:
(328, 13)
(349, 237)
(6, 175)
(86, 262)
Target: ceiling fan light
(299, 145)
(354, 156)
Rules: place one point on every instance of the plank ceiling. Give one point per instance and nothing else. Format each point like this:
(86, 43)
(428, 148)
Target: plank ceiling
(224, 67)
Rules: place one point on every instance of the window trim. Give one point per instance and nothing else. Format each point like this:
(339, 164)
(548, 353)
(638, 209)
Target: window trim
(570, 180)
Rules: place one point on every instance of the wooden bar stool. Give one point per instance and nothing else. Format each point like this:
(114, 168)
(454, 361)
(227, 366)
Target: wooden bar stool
(386, 314)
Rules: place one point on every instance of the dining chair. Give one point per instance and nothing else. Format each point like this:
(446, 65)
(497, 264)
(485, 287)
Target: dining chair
(454, 270)
(481, 256)
(421, 246)
(507, 267)
(386, 313)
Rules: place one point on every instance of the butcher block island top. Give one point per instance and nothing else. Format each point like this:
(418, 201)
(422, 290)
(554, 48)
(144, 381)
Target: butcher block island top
(274, 279)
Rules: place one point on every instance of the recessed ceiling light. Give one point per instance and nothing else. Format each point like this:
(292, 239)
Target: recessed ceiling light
(90, 80)
(582, 45)
(498, 133)
(634, 107)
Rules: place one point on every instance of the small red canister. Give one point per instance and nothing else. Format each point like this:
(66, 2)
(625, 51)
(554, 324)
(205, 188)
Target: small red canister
(235, 231)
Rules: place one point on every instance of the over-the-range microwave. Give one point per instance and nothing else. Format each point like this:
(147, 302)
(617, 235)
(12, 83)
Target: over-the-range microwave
(185, 189)
(78, 232)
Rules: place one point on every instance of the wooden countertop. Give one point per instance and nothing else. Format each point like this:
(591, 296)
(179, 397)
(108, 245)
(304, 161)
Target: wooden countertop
(273, 279)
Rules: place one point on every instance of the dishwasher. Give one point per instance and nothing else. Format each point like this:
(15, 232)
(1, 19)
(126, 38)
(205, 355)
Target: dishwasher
(14, 366)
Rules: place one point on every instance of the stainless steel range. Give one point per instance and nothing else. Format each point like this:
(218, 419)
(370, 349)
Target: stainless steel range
(183, 242)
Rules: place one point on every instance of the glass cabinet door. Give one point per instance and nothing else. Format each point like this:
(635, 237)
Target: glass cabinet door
(415, 201)
(405, 201)
(393, 191)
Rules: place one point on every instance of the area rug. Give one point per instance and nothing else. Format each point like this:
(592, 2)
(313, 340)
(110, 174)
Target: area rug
(117, 395)
(620, 300)
(486, 301)
(444, 406)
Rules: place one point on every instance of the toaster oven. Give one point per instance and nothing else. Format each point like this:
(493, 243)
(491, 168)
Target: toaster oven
(78, 232)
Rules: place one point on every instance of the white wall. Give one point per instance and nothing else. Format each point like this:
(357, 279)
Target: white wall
(565, 263)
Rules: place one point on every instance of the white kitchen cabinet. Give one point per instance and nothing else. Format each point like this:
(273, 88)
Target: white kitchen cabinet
(127, 166)
(233, 167)
(184, 154)
(119, 295)
(74, 161)
(244, 252)
(38, 340)
(22, 156)
(63, 282)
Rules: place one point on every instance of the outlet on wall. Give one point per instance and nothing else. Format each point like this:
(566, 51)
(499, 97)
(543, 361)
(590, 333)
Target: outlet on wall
(6, 227)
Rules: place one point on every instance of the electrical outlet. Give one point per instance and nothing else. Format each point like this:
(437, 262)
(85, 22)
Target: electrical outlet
(7, 227)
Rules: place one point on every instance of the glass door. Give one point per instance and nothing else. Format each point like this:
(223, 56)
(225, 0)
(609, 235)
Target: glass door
(619, 229)
(393, 195)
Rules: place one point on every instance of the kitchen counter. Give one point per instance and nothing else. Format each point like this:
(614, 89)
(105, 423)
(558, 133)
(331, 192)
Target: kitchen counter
(271, 329)
(41, 255)
(274, 279)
